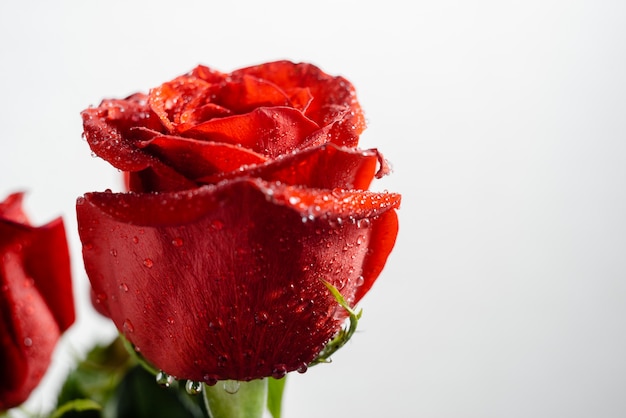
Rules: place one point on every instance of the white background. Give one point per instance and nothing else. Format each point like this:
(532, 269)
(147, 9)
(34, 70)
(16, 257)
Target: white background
(505, 123)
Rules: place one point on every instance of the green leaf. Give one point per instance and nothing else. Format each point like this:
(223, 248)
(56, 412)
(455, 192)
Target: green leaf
(275, 389)
(344, 335)
(138, 395)
(97, 376)
(78, 408)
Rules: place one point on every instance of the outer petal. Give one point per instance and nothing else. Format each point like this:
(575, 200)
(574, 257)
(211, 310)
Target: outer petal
(198, 159)
(109, 134)
(36, 302)
(228, 277)
(28, 333)
(271, 131)
(322, 167)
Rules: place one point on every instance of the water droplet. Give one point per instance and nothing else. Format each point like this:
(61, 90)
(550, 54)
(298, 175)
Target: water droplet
(177, 242)
(135, 240)
(216, 325)
(193, 388)
(231, 386)
(88, 246)
(363, 223)
(303, 368)
(28, 342)
(164, 380)
(128, 326)
(222, 359)
(170, 320)
(113, 252)
(123, 287)
(294, 200)
(261, 317)
(148, 263)
(210, 379)
(359, 240)
(217, 225)
(359, 281)
(279, 371)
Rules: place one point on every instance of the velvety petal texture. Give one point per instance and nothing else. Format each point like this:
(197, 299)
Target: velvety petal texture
(246, 195)
(36, 302)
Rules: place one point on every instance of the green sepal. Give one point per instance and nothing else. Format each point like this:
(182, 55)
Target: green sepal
(275, 389)
(248, 401)
(344, 335)
(83, 408)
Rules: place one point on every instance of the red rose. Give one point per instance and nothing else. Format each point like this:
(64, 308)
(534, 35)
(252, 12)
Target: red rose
(247, 193)
(36, 303)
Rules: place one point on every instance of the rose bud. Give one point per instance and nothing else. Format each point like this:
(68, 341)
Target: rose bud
(36, 303)
(247, 199)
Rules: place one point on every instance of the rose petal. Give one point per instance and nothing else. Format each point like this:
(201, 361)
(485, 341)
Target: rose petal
(36, 302)
(199, 159)
(327, 91)
(323, 167)
(28, 333)
(269, 131)
(11, 209)
(240, 291)
(245, 93)
(170, 100)
(119, 146)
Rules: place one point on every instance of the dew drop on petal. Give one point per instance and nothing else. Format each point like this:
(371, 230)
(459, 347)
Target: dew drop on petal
(359, 281)
(163, 379)
(279, 371)
(28, 342)
(123, 287)
(192, 387)
(128, 326)
(363, 223)
(231, 386)
(303, 368)
(177, 242)
(261, 317)
(210, 380)
(148, 262)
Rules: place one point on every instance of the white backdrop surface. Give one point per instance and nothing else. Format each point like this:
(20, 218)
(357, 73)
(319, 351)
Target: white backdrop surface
(505, 122)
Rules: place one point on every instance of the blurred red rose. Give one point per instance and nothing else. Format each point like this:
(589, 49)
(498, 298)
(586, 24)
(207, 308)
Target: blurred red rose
(36, 303)
(247, 192)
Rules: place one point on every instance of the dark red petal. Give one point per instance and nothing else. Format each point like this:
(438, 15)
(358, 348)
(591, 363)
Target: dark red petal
(198, 159)
(245, 93)
(122, 151)
(323, 167)
(36, 302)
(173, 98)
(384, 230)
(47, 261)
(45, 257)
(228, 279)
(330, 94)
(11, 209)
(269, 131)
(28, 332)
(207, 74)
(192, 117)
